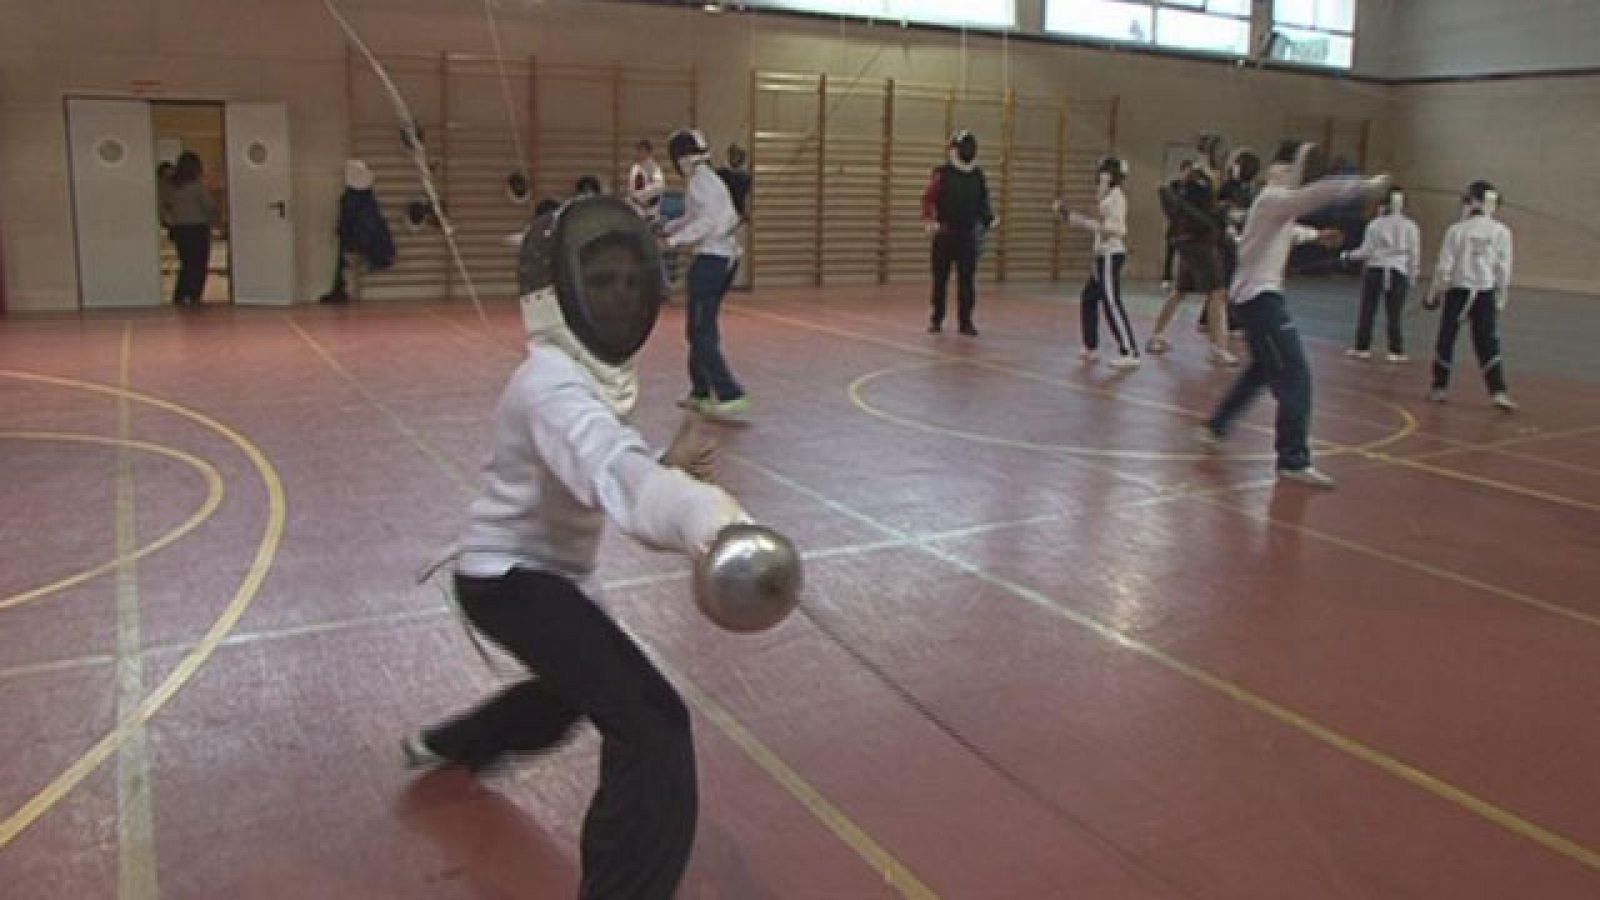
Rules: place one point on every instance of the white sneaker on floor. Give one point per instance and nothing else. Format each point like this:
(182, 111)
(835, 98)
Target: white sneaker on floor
(1089, 356)
(1436, 395)
(1397, 358)
(1157, 346)
(418, 754)
(1363, 355)
(1209, 440)
(1124, 362)
(1310, 475)
(1221, 357)
(1503, 401)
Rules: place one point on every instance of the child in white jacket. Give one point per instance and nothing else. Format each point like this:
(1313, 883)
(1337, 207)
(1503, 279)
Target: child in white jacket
(1474, 275)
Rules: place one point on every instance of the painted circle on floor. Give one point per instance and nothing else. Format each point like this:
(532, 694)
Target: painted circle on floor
(214, 494)
(859, 389)
(48, 796)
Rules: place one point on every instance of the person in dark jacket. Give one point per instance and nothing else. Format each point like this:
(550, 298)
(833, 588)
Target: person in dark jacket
(363, 234)
(955, 207)
(737, 177)
(189, 211)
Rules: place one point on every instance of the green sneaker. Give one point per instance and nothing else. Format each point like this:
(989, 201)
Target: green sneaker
(734, 409)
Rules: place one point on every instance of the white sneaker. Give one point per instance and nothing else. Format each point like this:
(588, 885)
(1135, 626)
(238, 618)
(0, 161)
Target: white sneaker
(1209, 440)
(1124, 362)
(418, 754)
(1221, 357)
(1397, 358)
(1363, 355)
(1503, 401)
(1436, 395)
(1157, 346)
(1089, 356)
(1310, 475)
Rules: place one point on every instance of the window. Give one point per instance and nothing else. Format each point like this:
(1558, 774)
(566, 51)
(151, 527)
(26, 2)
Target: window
(1209, 26)
(976, 13)
(1315, 32)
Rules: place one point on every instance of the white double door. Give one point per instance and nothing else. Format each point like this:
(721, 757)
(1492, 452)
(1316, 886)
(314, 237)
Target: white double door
(112, 150)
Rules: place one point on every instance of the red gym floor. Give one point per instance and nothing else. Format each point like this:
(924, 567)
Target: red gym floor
(1047, 650)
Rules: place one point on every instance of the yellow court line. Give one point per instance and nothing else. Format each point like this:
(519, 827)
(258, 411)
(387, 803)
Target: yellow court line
(1057, 451)
(214, 494)
(893, 872)
(1408, 426)
(1366, 450)
(896, 873)
(136, 850)
(272, 534)
(1481, 481)
(1121, 394)
(457, 475)
(1304, 724)
(1498, 448)
(856, 392)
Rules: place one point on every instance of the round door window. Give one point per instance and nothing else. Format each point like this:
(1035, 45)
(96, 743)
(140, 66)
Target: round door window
(256, 153)
(111, 151)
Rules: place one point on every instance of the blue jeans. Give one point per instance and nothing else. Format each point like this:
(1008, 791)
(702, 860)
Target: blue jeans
(1278, 362)
(709, 375)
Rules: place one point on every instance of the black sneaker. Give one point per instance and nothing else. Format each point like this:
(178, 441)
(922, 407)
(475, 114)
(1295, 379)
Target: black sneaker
(935, 328)
(969, 330)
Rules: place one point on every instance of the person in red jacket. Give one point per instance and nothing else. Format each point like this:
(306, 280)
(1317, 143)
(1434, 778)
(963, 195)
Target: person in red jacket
(955, 207)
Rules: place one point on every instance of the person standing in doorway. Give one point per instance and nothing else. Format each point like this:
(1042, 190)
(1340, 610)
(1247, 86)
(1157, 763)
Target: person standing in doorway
(955, 206)
(190, 213)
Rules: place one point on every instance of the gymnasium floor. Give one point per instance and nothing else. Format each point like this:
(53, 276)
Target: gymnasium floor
(1047, 650)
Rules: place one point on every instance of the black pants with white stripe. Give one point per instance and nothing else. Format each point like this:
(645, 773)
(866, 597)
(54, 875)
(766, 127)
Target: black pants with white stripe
(1103, 290)
(1380, 283)
(640, 826)
(1478, 306)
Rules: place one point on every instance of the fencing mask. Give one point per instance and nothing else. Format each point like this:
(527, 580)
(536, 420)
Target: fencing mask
(1244, 166)
(1482, 197)
(603, 265)
(963, 149)
(1111, 172)
(1395, 204)
(517, 187)
(687, 146)
(357, 176)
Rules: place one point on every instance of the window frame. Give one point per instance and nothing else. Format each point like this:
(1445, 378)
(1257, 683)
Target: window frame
(1288, 31)
(1153, 41)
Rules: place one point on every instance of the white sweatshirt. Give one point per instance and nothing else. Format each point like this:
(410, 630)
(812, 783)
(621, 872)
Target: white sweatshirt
(1476, 255)
(646, 183)
(709, 219)
(1271, 231)
(1111, 228)
(1392, 241)
(561, 464)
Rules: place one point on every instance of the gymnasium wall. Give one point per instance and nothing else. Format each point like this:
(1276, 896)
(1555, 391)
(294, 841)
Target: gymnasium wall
(1409, 39)
(289, 50)
(1535, 139)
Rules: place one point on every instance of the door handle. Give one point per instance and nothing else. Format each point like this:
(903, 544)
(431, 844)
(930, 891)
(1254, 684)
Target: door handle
(281, 207)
